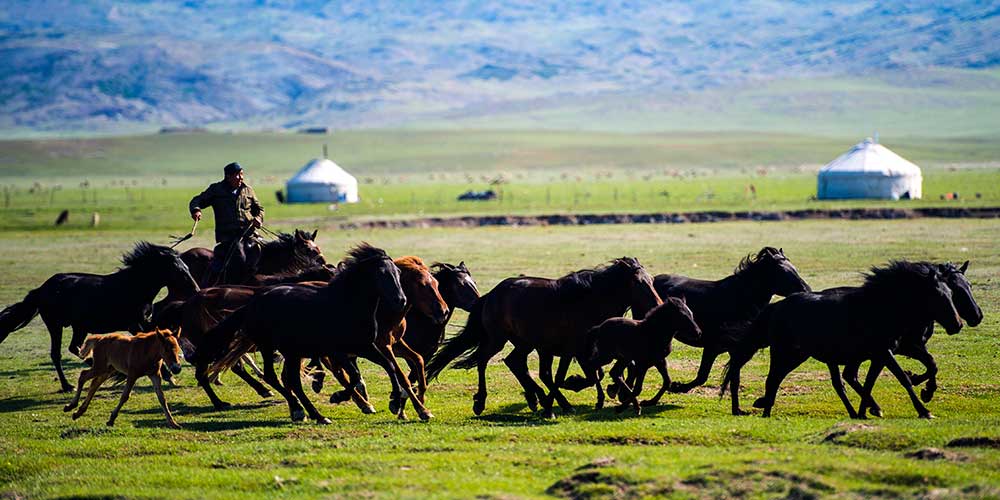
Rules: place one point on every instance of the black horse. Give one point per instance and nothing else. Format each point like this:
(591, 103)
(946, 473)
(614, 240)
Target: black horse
(644, 343)
(735, 300)
(848, 327)
(551, 316)
(306, 321)
(914, 344)
(92, 303)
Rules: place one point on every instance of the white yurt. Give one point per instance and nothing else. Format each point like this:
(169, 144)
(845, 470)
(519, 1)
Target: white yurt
(869, 170)
(322, 181)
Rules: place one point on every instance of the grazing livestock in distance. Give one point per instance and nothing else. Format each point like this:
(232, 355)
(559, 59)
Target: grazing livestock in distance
(93, 303)
(848, 327)
(551, 316)
(142, 355)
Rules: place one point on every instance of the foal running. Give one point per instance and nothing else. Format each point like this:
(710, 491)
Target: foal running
(135, 356)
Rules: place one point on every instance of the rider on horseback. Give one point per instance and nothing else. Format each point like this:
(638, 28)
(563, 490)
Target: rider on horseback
(238, 214)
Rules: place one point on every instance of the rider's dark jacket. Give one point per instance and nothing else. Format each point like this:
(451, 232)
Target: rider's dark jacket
(235, 209)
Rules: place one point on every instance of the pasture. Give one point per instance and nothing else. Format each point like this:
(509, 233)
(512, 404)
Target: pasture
(688, 447)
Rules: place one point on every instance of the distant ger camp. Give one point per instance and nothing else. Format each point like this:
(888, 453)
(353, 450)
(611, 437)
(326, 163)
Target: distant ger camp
(322, 181)
(869, 170)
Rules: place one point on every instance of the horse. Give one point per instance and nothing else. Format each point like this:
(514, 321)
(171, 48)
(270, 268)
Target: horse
(288, 253)
(92, 303)
(551, 316)
(735, 299)
(644, 343)
(422, 295)
(295, 321)
(851, 326)
(915, 345)
(144, 354)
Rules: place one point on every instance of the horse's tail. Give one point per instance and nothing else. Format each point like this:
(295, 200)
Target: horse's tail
(88, 346)
(466, 344)
(17, 316)
(224, 345)
(750, 337)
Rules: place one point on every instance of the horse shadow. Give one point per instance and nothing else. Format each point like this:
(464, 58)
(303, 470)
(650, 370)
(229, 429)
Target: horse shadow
(26, 403)
(514, 415)
(610, 413)
(212, 425)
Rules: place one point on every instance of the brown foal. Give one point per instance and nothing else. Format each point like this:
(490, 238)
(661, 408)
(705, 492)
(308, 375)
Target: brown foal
(134, 356)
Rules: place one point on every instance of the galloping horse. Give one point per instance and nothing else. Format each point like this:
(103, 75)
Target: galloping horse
(92, 303)
(851, 326)
(737, 299)
(295, 320)
(550, 315)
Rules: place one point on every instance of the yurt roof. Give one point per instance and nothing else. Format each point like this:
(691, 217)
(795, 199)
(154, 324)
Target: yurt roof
(322, 171)
(870, 158)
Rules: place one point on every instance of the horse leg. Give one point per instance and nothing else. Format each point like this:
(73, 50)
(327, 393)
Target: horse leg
(402, 382)
(129, 384)
(352, 375)
(201, 375)
(85, 375)
(930, 375)
(624, 391)
(517, 363)
(242, 373)
(318, 375)
(781, 365)
(890, 361)
(545, 374)
(95, 383)
(708, 356)
(163, 401)
(867, 402)
(55, 352)
(294, 408)
(291, 375)
(850, 374)
(485, 354)
(416, 364)
(838, 386)
(640, 375)
(661, 366)
(248, 359)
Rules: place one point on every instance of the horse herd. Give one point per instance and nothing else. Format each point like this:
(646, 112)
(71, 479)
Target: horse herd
(383, 308)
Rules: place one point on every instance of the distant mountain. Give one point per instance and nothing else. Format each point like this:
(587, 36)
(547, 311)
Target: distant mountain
(111, 65)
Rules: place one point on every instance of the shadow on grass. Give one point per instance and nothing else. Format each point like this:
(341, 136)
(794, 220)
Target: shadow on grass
(211, 425)
(181, 408)
(515, 415)
(22, 403)
(611, 413)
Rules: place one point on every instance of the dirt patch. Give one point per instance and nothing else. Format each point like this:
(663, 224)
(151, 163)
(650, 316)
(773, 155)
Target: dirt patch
(841, 430)
(975, 442)
(754, 483)
(677, 217)
(599, 479)
(936, 454)
(974, 491)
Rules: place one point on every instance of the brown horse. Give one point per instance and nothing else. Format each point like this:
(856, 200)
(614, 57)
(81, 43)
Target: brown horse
(548, 315)
(644, 343)
(422, 295)
(134, 356)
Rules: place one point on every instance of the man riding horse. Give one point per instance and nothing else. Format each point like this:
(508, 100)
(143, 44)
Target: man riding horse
(238, 215)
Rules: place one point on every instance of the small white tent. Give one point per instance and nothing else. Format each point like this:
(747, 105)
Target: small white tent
(322, 180)
(869, 170)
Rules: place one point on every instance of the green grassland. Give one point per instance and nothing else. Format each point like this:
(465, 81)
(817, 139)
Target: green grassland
(689, 447)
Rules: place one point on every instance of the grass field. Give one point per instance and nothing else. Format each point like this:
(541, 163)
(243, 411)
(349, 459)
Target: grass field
(687, 448)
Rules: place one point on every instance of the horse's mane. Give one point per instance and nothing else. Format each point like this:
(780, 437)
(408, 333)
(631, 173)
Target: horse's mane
(748, 263)
(586, 279)
(313, 273)
(900, 275)
(411, 264)
(145, 253)
(285, 242)
(355, 260)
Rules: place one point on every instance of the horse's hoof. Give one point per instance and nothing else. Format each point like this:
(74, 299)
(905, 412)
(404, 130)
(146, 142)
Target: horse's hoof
(265, 394)
(66, 388)
(649, 402)
(598, 406)
(532, 403)
(68, 407)
(175, 425)
(612, 390)
(110, 423)
(569, 410)
(324, 421)
(298, 416)
(927, 415)
(876, 411)
(678, 388)
(339, 397)
(740, 413)
(77, 415)
(368, 410)
(394, 407)
(401, 416)
(478, 405)
(548, 414)
(926, 395)
(426, 415)
(760, 403)
(317, 382)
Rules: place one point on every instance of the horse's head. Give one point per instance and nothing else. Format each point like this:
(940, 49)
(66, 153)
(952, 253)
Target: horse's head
(163, 266)
(305, 247)
(642, 295)
(456, 285)
(676, 317)
(170, 350)
(939, 302)
(961, 292)
(776, 270)
(381, 273)
(422, 288)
